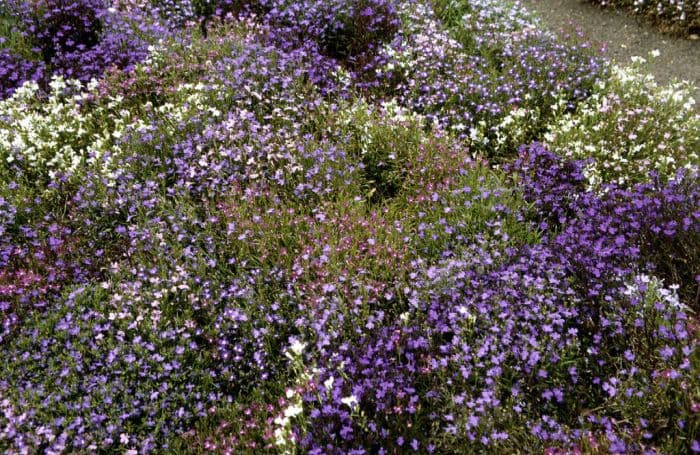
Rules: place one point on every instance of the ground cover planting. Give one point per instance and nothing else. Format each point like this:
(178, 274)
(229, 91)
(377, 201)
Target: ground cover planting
(356, 226)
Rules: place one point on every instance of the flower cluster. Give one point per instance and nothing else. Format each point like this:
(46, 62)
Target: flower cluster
(472, 78)
(630, 126)
(15, 70)
(78, 39)
(609, 234)
(56, 135)
(286, 227)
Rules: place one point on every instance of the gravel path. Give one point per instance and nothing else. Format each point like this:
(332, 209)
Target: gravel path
(625, 36)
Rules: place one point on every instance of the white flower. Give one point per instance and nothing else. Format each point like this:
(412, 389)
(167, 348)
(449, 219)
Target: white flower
(350, 401)
(293, 411)
(297, 347)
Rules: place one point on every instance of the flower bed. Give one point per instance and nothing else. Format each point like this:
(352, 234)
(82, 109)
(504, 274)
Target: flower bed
(351, 227)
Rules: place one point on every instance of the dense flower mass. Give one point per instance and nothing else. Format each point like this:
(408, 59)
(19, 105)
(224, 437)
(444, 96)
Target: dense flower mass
(357, 226)
(76, 39)
(655, 128)
(15, 70)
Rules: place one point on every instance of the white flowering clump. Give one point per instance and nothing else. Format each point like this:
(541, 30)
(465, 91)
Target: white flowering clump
(515, 128)
(653, 292)
(191, 100)
(630, 126)
(56, 134)
(284, 436)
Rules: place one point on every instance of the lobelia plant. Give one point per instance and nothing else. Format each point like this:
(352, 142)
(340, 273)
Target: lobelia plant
(80, 39)
(281, 236)
(629, 126)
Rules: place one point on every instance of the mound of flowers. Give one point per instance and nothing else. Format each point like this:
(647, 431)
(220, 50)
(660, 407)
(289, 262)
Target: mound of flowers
(74, 39)
(359, 226)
